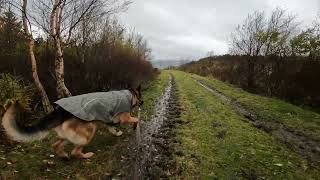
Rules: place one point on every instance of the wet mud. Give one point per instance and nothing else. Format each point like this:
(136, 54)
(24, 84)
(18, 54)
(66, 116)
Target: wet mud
(296, 140)
(155, 139)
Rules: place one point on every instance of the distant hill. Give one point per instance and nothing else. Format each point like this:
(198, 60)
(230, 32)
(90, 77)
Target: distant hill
(162, 64)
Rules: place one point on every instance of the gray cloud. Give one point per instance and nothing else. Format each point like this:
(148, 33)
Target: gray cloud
(190, 28)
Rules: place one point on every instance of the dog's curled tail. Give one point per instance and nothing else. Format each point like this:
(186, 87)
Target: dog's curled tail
(22, 133)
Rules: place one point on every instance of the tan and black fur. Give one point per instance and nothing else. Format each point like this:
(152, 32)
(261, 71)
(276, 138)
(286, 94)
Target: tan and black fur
(68, 128)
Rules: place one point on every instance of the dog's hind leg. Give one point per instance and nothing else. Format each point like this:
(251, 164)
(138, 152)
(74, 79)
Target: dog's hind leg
(58, 148)
(80, 142)
(79, 133)
(77, 152)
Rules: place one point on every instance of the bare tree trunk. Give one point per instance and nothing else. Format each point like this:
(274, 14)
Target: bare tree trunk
(250, 76)
(55, 19)
(45, 100)
(62, 90)
(83, 44)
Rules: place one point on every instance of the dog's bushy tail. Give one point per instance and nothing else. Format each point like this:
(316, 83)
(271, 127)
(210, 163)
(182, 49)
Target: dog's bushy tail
(22, 133)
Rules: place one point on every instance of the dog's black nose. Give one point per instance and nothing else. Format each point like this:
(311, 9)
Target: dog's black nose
(140, 103)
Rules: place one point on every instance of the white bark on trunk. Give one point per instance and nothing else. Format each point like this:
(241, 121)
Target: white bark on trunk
(62, 90)
(45, 100)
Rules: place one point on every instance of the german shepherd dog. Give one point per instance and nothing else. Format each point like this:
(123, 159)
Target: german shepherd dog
(68, 127)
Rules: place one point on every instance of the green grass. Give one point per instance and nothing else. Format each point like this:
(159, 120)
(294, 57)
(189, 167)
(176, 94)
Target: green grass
(217, 143)
(292, 116)
(30, 161)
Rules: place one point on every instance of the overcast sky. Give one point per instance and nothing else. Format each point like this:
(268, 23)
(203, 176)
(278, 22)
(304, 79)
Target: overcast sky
(178, 29)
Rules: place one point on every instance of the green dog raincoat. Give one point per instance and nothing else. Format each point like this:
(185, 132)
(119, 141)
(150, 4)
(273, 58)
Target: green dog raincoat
(101, 106)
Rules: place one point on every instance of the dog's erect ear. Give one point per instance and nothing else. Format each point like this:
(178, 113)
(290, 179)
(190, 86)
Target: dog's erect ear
(2, 110)
(139, 88)
(9, 103)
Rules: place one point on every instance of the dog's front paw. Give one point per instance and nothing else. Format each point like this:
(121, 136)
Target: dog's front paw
(119, 133)
(114, 131)
(87, 155)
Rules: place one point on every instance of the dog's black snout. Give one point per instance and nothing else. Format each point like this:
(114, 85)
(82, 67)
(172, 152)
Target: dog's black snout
(140, 103)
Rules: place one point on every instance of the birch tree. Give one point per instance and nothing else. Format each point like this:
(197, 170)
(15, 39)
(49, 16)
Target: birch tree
(27, 30)
(67, 19)
(55, 25)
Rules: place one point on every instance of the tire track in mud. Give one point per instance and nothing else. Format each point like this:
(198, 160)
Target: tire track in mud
(301, 143)
(154, 145)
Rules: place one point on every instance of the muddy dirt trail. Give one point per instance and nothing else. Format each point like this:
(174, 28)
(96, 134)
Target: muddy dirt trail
(153, 145)
(292, 138)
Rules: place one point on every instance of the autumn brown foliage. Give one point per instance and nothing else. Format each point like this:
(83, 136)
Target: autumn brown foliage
(114, 60)
(294, 79)
(96, 74)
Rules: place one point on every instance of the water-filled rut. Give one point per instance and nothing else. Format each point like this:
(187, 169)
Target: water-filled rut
(155, 139)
